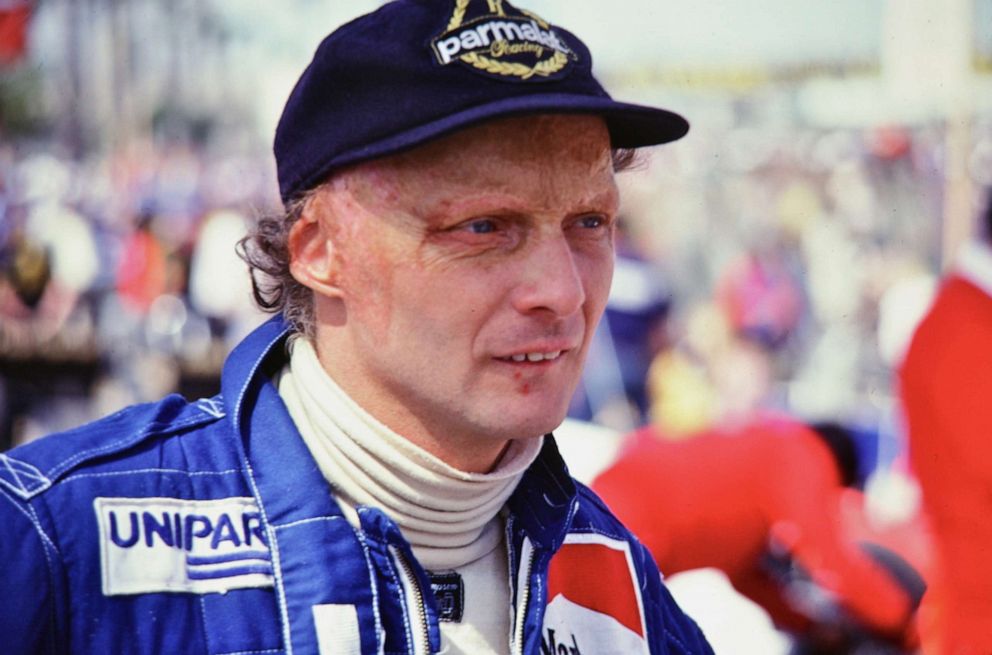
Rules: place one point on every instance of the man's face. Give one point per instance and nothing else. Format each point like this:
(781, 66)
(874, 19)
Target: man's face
(469, 275)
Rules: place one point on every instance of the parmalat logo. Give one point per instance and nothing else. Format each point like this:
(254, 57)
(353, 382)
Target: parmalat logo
(496, 38)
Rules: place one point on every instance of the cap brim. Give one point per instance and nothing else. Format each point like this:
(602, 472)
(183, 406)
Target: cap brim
(630, 125)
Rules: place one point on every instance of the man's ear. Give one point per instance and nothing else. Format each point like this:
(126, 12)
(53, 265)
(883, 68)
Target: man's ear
(312, 256)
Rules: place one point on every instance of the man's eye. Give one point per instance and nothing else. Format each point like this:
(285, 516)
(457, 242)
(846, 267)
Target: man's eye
(481, 226)
(592, 221)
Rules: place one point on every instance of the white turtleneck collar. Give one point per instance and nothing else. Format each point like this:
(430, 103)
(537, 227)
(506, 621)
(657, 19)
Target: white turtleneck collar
(450, 517)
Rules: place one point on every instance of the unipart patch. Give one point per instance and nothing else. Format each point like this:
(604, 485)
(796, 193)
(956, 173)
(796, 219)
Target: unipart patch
(495, 38)
(594, 601)
(150, 545)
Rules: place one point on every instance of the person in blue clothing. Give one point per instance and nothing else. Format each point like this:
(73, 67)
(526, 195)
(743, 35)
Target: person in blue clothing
(376, 475)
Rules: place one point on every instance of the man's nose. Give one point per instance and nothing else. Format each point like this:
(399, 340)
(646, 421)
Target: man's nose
(552, 280)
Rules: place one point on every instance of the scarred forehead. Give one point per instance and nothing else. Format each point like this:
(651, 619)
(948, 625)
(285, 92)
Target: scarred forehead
(554, 160)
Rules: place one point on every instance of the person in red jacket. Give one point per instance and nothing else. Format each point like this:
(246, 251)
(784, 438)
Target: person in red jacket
(946, 389)
(762, 502)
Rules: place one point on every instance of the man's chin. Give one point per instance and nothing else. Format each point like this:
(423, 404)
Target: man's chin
(531, 427)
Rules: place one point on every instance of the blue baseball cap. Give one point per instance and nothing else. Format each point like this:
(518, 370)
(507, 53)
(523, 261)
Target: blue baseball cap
(416, 70)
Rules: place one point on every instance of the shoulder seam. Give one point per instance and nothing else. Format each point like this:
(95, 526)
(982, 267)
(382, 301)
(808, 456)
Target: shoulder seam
(26, 480)
(47, 540)
(22, 478)
(68, 463)
(48, 548)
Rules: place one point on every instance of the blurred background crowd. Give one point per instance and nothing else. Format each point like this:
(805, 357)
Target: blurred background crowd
(776, 260)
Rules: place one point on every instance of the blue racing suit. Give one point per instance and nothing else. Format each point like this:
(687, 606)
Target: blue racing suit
(206, 527)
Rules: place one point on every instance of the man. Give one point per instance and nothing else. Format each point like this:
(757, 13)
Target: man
(761, 502)
(945, 390)
(372, 478)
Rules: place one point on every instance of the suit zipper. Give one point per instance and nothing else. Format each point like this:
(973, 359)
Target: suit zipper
(523, 585)
(420, 634)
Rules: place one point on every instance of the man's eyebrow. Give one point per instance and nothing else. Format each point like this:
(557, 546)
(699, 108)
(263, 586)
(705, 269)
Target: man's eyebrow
(610, 196)
(477, 203)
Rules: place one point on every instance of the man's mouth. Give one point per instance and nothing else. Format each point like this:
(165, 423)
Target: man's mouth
(532, 357)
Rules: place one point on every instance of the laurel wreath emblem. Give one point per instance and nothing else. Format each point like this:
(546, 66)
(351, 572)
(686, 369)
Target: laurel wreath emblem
(523, 71)
(458, 15)
(542, 68)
